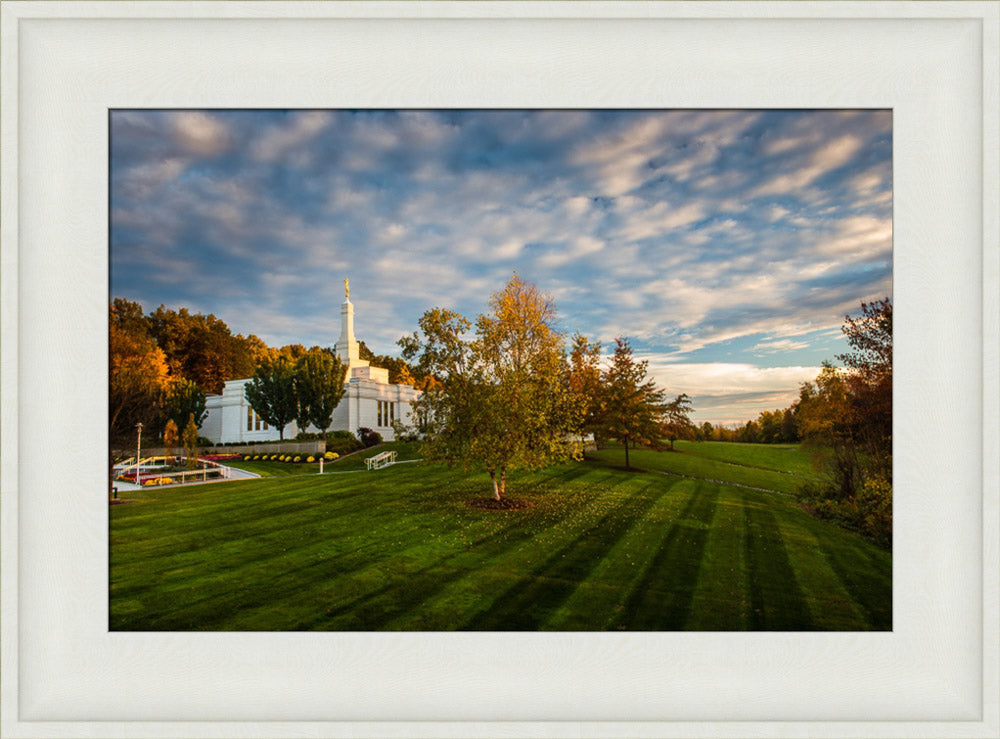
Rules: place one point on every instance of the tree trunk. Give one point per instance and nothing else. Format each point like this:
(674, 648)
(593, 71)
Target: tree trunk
(627, 466)
(496, 490)
(503, 482)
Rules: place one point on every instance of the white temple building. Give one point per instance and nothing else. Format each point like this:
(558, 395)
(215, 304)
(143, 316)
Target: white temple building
(370, 401)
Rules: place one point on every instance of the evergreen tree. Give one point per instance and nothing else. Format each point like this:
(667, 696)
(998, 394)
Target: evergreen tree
(633, 404)
(677, 423)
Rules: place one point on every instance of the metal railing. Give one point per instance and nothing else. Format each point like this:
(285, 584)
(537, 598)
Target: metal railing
(381, 460)
(155, 468)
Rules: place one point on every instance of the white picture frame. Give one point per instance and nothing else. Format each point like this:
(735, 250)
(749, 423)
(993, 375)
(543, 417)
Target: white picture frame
(65, 64)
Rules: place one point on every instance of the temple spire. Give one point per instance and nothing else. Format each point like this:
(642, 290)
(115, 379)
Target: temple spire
(347, 347)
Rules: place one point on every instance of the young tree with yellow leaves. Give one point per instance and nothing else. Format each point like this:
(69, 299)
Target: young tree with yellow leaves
(501, 401)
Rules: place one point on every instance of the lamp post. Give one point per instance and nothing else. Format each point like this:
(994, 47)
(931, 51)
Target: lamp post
(138, 452)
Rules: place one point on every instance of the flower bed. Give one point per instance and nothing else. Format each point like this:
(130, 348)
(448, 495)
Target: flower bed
(290, 458)
(157, 481)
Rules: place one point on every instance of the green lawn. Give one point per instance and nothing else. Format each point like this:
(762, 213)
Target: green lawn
(400, 549)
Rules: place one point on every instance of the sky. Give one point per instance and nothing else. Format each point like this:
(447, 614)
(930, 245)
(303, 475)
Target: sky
(725, 245)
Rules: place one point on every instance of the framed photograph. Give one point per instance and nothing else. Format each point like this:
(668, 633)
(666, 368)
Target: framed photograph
(70, 68)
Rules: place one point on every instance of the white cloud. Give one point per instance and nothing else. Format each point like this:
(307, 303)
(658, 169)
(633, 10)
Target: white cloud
(788, 143)
(833, 155)
(393, 232)
(577, 205)
(143, 180)
(200, 133)
(581, 247)
(658, 219)
(779, 345)
(508, 249)
(278, 140)
(859, 238)
(776, 213)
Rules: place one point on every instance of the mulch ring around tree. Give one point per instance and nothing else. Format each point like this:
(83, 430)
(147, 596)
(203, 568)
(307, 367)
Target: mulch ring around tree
(504, 504)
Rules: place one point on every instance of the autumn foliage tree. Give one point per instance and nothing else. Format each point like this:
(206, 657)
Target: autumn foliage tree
(846, 415)
(201, 348)
(869, 380)
(584, 383)
(500, 400)
(190, 437)
(138, 374)
(170, 436)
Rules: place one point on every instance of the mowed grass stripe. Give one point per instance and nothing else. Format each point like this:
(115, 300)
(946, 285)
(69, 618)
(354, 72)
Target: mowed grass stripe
(776, 601)
(623, 568)
(661, 600)
(866, 575)
(407, 581)
(831, 606)
(240, 575)
(721, 600)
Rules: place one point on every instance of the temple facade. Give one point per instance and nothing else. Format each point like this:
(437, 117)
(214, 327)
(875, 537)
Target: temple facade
(370, 400)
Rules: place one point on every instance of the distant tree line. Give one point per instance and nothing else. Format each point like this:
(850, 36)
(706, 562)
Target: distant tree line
(779, 426)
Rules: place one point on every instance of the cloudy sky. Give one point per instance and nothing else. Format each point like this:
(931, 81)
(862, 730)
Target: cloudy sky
(725, 245)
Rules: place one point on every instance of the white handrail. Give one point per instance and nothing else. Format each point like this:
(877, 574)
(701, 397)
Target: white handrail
(379, 461)
(137, 468)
